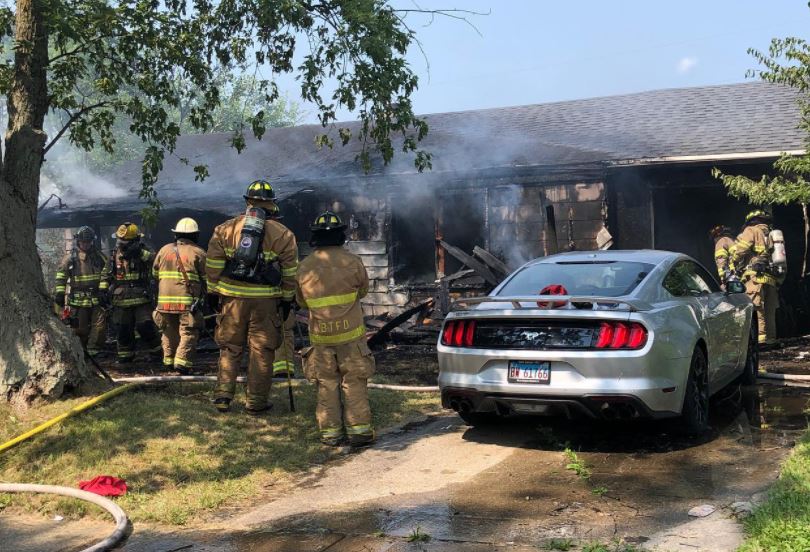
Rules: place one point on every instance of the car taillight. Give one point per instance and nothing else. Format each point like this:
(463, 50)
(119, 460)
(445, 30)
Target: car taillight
(459, 333)
(621, 335)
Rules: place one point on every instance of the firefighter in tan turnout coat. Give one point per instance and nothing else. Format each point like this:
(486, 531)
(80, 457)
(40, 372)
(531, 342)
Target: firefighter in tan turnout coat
(250, 267)
(331, 282)
(723, 244)
(80, 272)
(283, 361)
(751, 255)
(179, 270)
(127, 280)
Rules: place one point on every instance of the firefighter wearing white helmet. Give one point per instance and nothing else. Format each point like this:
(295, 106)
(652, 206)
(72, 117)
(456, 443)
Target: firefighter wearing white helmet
(179, 270)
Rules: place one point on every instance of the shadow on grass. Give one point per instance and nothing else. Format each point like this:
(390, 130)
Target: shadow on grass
(163, 439)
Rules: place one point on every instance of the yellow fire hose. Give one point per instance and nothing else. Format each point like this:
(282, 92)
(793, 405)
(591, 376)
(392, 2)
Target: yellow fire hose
(73, 411)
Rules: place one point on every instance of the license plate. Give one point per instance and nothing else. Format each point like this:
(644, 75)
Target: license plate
(527, 371)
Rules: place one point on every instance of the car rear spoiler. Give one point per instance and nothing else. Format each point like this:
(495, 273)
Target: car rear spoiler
(567, 300)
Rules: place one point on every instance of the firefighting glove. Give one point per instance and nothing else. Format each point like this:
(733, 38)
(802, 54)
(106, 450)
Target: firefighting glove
(213, 302)
(286, 308)
(104, 300)
(59, 298)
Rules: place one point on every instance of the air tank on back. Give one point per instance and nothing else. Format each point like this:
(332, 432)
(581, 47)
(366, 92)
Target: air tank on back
(778, 255)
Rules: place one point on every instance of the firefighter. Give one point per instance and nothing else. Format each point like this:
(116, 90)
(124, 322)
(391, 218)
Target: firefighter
(331, 282)
(127, 280)
(723, 239)
(179, 270)
(81, 272)
(284, 361)
(250, 268)
(751, 257)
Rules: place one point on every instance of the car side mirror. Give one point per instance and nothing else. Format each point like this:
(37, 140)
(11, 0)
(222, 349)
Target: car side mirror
(735, 286)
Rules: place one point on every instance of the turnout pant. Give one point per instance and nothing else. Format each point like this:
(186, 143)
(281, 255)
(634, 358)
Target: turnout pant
(129, 319)
(181, 330)
(341, 368)
(257, 322)
(91, 328)
(766, 301)
(284, 355)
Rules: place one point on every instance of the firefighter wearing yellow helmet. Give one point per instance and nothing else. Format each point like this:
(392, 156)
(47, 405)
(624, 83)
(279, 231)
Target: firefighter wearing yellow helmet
(127, 280)
(179, 269)
(331, 282)
(77, 291)
(251, 265)
(751, 257)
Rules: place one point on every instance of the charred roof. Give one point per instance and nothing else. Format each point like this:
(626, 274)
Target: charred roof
(727, 120)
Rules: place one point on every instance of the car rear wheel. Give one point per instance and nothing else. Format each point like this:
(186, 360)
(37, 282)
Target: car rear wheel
(695, 411)
(751, 368)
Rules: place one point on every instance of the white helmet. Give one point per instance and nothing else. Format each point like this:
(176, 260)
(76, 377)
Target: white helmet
(186, 225)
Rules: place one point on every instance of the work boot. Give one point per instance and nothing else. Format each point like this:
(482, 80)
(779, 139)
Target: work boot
(259, 411)
(332, 441)
(222, 404)
(359, 441)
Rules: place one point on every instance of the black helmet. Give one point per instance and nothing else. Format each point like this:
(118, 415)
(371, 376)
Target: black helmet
(85, 233)
(261, 190)
(327, 221)
(720, 230)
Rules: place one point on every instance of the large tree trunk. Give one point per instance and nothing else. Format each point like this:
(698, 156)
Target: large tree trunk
(39, 356)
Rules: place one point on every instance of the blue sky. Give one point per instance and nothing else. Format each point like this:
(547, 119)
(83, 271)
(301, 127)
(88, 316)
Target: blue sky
(541, 51)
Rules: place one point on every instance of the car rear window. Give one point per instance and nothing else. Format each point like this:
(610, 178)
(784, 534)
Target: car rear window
(603, 278)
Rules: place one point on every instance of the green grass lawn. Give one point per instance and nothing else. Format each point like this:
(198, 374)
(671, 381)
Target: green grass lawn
(783, 522)
(179, 457)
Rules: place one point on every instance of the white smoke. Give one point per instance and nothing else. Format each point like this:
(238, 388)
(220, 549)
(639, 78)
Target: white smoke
(72, 181)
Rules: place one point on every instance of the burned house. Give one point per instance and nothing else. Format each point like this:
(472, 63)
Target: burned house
(630, 171)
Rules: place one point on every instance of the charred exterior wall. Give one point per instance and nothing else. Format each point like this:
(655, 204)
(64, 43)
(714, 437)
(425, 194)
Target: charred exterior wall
(520, 226)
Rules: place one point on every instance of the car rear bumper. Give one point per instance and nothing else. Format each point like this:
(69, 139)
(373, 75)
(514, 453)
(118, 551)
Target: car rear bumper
(594, 384)
(613, 407)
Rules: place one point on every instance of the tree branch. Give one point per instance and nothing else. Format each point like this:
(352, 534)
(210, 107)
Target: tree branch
(73, 118)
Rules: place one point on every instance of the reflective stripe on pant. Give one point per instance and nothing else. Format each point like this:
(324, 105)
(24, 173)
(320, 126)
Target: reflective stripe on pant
(91, 327)
(129, 319)
(256, 321)
(344, 368)
(181, 330)
(766, 300)
(284, 355)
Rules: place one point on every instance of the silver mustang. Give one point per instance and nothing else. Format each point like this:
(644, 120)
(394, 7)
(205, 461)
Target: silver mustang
(604, 334)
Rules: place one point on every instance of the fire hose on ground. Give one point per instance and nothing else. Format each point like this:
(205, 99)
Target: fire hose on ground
(121, 520)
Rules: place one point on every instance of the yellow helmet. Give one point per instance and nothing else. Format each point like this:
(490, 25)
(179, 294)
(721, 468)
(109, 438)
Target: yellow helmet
(127, 231)
(186, 225)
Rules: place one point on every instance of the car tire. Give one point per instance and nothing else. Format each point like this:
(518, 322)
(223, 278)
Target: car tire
(751, 367)
(695, 410)
(480, 419)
